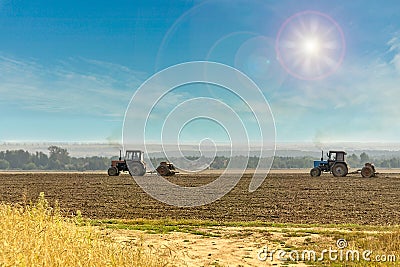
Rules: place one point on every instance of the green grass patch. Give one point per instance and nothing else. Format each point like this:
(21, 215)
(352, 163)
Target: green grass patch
(209, 223)
(153, 226)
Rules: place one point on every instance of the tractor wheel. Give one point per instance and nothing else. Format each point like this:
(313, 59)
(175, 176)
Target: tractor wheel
(315, 172)
(136, 169)
(367, 172)
(339, 170)
(113, 171)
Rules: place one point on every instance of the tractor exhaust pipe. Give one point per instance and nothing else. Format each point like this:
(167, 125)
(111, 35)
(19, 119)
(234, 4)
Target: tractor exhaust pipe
(322, 155)
(120, 154)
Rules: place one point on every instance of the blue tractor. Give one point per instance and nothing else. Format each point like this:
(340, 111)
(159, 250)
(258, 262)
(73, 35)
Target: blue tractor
(335, 164)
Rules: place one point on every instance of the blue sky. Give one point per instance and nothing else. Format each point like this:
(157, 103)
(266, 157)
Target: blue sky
(69, 68)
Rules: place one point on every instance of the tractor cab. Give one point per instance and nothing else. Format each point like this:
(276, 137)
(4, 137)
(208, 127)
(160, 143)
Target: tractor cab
(336, 156)
(134, 155)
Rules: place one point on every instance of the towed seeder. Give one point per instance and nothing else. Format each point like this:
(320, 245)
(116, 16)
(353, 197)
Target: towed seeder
(367, 171)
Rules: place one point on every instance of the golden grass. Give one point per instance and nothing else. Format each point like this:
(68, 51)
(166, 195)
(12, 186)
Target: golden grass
(37, 235)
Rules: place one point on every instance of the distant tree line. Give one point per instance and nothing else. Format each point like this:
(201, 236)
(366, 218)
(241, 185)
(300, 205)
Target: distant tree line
(59, 159)
(279, 162)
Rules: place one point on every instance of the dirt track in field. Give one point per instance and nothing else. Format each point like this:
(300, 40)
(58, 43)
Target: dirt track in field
(286, 198)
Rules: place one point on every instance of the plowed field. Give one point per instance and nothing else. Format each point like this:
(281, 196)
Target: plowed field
(283, 197)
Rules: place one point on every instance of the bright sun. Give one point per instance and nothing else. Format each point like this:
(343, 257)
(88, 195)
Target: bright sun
(311, 46)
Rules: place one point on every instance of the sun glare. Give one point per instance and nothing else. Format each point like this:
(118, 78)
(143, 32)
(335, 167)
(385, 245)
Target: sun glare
(311, 47)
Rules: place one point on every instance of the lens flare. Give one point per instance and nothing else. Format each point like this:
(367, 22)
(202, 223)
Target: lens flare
(310, 45)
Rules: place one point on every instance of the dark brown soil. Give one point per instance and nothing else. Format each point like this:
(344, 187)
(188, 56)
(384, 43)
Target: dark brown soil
(286, 198)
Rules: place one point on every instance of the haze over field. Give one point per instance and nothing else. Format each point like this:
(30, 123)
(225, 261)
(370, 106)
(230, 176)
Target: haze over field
(378, 150)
